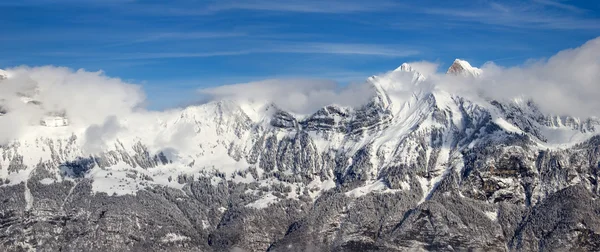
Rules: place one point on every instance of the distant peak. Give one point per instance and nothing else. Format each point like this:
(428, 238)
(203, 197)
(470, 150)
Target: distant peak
(405, 67)
(462, 67)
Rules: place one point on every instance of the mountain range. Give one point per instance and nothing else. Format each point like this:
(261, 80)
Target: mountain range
(416, 167)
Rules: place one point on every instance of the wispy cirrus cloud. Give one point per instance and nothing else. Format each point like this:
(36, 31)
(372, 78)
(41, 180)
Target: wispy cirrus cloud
(209, 7)
(176, 36)
(192, 35)
(143, 55)
(375, 50)
(120, 37)
(307, 6)
(347, 49)
(538, 14)
(300, 6)
(557, 4)
(25, 3)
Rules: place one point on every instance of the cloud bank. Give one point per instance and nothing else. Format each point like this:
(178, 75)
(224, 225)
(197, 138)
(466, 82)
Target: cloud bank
(86, 98)
(294, 95)
(567, 83)
(96, 136)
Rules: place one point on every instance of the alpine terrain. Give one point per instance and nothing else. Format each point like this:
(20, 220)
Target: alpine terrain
(417, 167)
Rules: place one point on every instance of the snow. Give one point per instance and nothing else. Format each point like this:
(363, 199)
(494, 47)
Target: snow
(506, 125)
(320, 142)
(205, 224)
(264, 202)
(54, 121)
(425, 187)
(428, 185)
(405, 67)
(254, 110)
(113, 182)
(122, 179)
(492, 215)
(364, 190)
(328, 184)
(320, 186)
(564, 137)
(371, 187)
(462, 67)
(47, 181)
(215, 181)
(172, 237)
(28, 196)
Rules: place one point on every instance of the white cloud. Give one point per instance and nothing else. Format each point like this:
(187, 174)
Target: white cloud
(559, 5)
(567, 83)
(347, 49)
(87, 98)
(300, 6)
(425, 67)
(264, 47)
(294, 95)
(12, 125)
(519, 14)
(96, 136)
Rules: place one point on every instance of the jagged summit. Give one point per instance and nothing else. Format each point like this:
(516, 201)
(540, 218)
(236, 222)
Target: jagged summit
(405, 67)
(387, 85)
(462, 67)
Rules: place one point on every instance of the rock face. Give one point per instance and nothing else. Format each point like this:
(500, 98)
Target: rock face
(428, 171)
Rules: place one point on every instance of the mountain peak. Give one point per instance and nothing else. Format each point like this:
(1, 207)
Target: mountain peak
(462, 67)
(405, 67)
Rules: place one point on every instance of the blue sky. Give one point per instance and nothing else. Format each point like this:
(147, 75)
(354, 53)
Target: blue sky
(174, 47)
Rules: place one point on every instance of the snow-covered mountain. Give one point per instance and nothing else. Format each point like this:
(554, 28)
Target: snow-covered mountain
(416, 167)
(462, 67)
